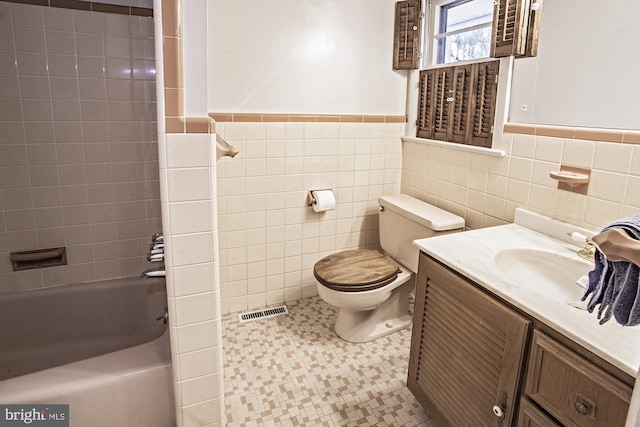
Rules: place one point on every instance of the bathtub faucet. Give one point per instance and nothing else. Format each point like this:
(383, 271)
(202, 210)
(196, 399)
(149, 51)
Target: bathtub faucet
(153, 272)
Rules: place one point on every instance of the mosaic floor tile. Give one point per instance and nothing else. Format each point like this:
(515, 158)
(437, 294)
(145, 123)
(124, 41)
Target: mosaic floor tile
(293, 370)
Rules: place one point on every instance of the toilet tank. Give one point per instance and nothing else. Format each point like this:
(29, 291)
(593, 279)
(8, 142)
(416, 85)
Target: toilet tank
(403, 219)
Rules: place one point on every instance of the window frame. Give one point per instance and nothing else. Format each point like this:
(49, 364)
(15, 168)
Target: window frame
(431, 40)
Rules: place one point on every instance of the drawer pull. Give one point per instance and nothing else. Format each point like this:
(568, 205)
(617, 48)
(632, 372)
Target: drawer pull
(581, 408)
(584, 406)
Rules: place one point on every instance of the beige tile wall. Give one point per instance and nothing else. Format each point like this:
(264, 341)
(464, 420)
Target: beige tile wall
(269, 239)
(486, 190)
(78, 145)
(188, 187)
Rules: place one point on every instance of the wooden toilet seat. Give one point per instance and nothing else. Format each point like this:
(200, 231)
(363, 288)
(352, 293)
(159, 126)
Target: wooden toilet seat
(356, 270)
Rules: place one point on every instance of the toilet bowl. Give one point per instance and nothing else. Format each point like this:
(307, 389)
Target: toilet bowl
(371, 288)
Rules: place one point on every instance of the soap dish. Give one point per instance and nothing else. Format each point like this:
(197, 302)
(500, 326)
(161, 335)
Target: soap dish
(571, 178)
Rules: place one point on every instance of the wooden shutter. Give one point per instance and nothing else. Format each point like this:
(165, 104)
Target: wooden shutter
(462, 77)
(510, 26)
(457, 104)
(426, 104)
(483, 105)
(466, 350)
(406, 40)
(443, 97)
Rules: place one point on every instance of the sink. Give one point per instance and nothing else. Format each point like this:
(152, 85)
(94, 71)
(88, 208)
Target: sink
(544, 271)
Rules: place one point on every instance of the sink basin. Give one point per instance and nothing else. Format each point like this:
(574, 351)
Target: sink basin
(544, 271)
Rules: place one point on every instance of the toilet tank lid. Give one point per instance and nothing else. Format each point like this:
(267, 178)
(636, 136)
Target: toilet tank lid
(421, 212)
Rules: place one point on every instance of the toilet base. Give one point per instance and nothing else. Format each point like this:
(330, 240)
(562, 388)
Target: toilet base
(366, 325)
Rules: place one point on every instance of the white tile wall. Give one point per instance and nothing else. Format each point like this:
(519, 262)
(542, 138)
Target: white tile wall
(496, 186)
(269, 239)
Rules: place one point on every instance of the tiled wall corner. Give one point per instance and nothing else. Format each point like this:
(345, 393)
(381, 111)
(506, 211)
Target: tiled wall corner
(486, 190)
(189, 208)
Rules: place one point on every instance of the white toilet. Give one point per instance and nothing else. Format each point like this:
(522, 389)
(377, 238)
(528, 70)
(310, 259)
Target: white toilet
(371, 289)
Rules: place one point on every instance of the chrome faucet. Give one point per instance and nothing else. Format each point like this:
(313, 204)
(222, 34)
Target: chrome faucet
(153, 272)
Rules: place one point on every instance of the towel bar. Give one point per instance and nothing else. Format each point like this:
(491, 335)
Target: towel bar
(224, 149)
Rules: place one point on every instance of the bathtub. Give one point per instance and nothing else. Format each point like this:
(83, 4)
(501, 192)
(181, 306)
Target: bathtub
(101, 347)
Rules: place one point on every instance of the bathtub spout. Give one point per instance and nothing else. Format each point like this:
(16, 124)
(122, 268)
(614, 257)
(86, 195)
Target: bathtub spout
(153, 272)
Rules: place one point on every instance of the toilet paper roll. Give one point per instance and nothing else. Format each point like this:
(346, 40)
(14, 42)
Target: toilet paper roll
(323, 200)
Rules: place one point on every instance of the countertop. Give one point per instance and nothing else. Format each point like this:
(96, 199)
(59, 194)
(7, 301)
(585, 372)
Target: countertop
(471, 253)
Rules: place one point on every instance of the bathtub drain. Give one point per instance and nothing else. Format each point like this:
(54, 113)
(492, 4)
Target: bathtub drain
(262, 314)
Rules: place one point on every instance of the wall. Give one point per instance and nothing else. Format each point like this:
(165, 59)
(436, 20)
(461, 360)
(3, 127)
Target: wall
(189, 221)
(78, 147)
(269, 239)
(486, 190)
(307, 56)
(585, 73)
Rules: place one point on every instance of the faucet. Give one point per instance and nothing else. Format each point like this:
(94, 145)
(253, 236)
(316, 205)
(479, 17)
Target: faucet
(589, 250)
(153, 272)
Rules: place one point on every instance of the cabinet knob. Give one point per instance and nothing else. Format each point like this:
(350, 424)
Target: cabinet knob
(581, 408)
(498, 411)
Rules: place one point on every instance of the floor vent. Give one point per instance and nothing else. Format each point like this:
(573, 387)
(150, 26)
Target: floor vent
(265, 313)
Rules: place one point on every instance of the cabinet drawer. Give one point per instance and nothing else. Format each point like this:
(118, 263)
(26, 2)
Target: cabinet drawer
(530, 416)
(573, 390)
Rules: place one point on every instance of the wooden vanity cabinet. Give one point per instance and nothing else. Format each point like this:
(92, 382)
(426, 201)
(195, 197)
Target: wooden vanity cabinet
(473, 356)
(573, 390)
(466, 351)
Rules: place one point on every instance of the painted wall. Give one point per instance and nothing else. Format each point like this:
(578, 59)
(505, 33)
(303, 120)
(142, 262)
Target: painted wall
(78, 145)
(307, 56)
(586, 70)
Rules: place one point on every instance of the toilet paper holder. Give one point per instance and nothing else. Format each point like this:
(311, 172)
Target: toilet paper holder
(310, 198)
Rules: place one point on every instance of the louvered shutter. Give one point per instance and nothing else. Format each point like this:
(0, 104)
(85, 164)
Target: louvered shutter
(483, 106)
(462, 78)
(510, 24)
(457, 104)
(426, 104)
(406, 41)
(443, 97)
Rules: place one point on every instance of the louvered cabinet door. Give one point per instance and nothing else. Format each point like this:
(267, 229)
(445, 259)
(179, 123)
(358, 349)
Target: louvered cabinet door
(483, 103)
(466, 351)
(406, 40)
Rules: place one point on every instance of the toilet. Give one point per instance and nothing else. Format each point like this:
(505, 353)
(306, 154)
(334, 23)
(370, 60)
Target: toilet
(370, 288)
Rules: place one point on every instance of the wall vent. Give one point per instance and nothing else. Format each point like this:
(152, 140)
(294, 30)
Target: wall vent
(265, 313)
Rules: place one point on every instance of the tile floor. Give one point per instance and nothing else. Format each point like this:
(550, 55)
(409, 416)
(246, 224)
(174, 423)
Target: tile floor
(293, 370)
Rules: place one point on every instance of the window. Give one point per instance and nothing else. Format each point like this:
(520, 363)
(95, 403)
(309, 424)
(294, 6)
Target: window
(460, 98)
(462, 30)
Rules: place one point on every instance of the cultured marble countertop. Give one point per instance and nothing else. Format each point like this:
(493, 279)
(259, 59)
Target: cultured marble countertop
(471, 253)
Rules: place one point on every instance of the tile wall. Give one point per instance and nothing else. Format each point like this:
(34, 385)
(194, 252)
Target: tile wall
(78, 142)
(187, 178)
(486, 190)
(269, 239)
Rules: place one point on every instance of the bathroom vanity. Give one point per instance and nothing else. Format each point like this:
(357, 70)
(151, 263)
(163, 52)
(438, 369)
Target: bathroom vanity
(501, 338)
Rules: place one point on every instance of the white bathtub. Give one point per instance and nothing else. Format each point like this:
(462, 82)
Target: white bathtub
(97, 347)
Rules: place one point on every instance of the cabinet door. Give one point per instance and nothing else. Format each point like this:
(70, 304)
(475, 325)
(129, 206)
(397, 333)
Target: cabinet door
(573, 390)
(466, 350)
